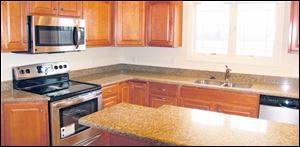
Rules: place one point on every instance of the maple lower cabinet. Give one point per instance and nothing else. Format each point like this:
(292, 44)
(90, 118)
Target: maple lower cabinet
(56, 8)
(130, 23)
(235, 103)
(99, 23)
(162, 93)
(110, 95)
(125, 92)
(140, 93)
(294, 27)
(164, 23)
(26, 124)
(13, 26)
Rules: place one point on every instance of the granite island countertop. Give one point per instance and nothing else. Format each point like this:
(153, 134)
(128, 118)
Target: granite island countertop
(172, 125)
(283, 90)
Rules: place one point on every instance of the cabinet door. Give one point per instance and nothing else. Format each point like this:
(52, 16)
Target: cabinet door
(237, 110)
(43, 8)
(110, 95)
(159, 100)
(13, 25)
(294, 28)
(125, 92)
(164, 23)
(99, 22)
(130, 23)
(197, 104)
(140, 93)
(26, 124)
(70, 8)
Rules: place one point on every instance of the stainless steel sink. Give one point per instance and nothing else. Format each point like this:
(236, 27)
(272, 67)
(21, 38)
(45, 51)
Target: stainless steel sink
(224, 84)
(209, 82)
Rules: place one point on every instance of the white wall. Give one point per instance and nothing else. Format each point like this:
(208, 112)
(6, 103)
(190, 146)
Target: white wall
(92, 57)
(287, 65)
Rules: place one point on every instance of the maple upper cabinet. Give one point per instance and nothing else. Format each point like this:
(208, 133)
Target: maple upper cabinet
(164, 23)
(294, 28)
(99, 23)
(13, 26)
(130, 23)
(26, 124)
(56, 8)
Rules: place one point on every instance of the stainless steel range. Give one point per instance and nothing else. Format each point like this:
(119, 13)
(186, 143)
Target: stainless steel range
(69, 100)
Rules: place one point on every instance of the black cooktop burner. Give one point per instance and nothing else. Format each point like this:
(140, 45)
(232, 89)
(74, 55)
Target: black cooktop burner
(61, 90)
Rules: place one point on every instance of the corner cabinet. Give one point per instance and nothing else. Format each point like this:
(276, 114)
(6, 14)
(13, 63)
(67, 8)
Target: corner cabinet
(26, 124)
(13, 26)
(294, 28)
(164, 23)
(130, 23)
(140, 93)
(99, 23)
(56, 8)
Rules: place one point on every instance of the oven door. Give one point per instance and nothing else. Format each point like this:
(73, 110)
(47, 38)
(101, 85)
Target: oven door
(54, 34)
(64, 115)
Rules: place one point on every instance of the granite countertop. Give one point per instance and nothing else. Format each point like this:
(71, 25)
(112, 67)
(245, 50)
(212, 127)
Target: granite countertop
(173, 125)
(291, 91)
(21, 96)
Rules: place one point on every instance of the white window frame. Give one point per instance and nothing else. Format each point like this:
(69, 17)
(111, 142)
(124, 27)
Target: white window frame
(231, 57)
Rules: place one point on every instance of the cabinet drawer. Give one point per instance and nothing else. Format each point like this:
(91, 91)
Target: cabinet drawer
(163, 89)
(110, 90)
(110, 101)
(159, 100)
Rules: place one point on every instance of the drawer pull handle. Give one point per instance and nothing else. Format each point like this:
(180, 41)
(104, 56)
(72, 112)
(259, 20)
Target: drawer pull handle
(162, 98)
(163, 90)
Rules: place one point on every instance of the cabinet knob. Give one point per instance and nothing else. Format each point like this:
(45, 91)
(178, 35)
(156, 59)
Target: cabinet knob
(163, 90)
(41, 110)
(61, 9)
(54, 8)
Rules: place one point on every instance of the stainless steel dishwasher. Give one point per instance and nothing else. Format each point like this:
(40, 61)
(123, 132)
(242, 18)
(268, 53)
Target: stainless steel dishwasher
(279, 109)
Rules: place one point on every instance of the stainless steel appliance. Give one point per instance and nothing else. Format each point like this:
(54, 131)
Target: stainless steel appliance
(49, 34)
(69, 100)
(279, 109)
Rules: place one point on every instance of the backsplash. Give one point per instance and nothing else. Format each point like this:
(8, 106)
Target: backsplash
(127, 68)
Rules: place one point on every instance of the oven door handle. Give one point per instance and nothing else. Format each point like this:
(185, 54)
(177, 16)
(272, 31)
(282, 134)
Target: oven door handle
(73, 101)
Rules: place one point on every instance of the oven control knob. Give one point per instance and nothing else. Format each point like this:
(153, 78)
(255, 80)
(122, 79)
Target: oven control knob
(65, 66)
(22, 71)
(39, 69)
(27, 71)
(60, 66)
(55, 67)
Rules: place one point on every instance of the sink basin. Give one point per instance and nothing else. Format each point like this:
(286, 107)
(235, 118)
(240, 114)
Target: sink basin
(237, 85)
(224, 84)
(209, 82)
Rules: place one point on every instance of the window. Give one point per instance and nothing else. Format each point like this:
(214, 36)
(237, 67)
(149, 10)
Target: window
(235, 28)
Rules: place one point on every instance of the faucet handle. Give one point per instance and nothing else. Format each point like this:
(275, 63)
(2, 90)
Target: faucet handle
(227, 68)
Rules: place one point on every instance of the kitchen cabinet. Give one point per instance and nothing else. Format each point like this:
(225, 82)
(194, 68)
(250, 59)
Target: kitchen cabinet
(164, 23)
(117, 140)
(125, 92)
(13, 26)
(161, 93)
(110, 95)
(99, 23)
(130, 23)
(140, 93)
(56, 8)
(294, 28)
(236, 103)
(26, 124)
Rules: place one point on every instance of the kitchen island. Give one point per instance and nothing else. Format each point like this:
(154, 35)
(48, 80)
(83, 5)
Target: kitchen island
(172, 125)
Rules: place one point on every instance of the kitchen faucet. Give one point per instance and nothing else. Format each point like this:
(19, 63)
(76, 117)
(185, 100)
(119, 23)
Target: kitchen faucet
(227, 73)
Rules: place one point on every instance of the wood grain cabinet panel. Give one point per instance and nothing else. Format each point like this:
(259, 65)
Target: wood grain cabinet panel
(70, 8)
(164, 23)
(140, 94)
(43, 7)
(125, 92)
(13, 26)
(197, 104)
(160, 100)
(99, 23)
(130, 23)
(237, 110)
(294, 28)
(26, 124)
(110, 95)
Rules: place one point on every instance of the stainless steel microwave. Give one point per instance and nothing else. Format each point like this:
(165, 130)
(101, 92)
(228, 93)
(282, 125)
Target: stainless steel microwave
(48, 34)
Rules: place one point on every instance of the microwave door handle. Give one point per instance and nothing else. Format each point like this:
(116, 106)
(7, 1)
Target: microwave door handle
(78, 36)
